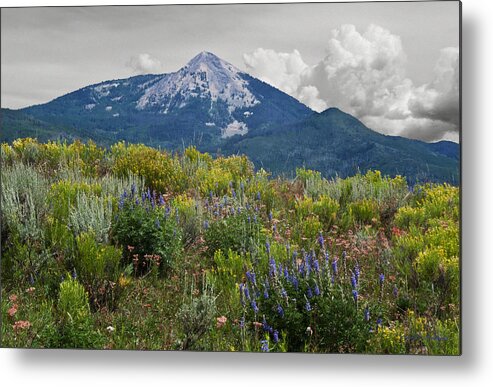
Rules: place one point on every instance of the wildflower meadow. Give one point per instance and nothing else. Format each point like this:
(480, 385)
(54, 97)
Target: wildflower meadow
(131, 247)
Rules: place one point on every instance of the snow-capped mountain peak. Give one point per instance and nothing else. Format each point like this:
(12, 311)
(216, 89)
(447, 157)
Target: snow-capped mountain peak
(205, 76)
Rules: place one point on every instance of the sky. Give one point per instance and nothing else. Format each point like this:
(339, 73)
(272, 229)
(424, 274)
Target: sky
(394, 65)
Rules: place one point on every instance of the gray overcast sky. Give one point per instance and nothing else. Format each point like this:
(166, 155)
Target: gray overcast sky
(47, 52)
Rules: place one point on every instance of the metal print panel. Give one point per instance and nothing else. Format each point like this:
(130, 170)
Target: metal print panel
(239, 177)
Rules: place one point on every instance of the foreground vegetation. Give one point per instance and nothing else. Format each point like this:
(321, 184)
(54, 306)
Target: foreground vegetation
(134, 248)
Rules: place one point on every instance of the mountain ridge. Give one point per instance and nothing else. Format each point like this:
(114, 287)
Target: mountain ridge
(215, 106)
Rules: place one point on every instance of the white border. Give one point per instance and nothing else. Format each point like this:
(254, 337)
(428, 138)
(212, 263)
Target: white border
(85, 368)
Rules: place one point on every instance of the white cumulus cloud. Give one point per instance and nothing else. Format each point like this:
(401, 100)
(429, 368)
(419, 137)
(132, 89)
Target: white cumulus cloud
(364, 74)
(283, 70)
(144, 64)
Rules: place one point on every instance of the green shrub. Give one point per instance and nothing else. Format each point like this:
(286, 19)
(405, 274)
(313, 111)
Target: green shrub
(364, 211)
(196, 319)
(63, 196)
(160, 171)
(91, 213)
(148, 232)
(189, 218)
(98, 269)
(77, 328)
(24, 206)
(240, 233)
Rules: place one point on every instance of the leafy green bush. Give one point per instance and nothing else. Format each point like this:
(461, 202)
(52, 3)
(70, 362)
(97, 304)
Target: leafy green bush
(240, 233)
(160, 171)
(364, 211)
(148, 232)
(91, 213)
(189, 218)
(76, 323)
(98, 269)
(196, 319)
(24, 206)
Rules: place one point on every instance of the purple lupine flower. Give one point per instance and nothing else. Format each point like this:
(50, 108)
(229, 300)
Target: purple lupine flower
(274, 228)
(206, 224)
(295, 282)
(265, 346)
(265, 326)
(367, 314)
(320, 240)
(238, 211)
(266, 294)
(356, 273)
(143, 197)
(316, 266)
(251, 277)
(254, 218)
(133, 188)
(121, 202)
(247, 292)
(381, 278)
(301, 269)
(254, 306)
(309, 293)
(284, 294)
(233, 193)
(334, 266)
(74, 274)
(280, 310)
(308, 307)
(353, 281)
(316, 290)
(149, 193)
(286, 273)
(137, 202)
(270, 216)
(210, 194)
(258, 195)
(395, 291)
(355, 295)
(379, 322)
(275, 337)
(157, 223)
(294, 256)
(267, 247)
(272, 267)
